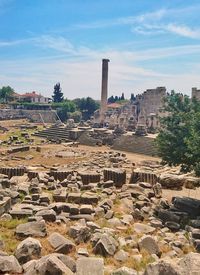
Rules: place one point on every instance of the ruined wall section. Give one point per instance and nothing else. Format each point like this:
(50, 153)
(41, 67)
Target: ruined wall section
(136, 144)
(86, 139)
(33, 115)
(152, 100)
(196, 93)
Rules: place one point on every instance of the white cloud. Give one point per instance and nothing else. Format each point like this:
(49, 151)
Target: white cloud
(152, 23)
(152, 16)
(54, 42)
(81, 76)
(13, 42)
(154, 29)
(184, 31)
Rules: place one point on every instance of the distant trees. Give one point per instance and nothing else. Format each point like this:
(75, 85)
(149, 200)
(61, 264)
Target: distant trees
(65, 108)
(132, 97)
(178, 141)
(87, 106)
(6, 93)
(113, 99)
(57, 93)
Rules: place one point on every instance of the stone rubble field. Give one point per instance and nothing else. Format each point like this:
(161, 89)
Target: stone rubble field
(97, 214)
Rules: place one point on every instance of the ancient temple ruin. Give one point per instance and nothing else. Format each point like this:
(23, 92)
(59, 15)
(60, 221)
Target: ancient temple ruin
(126, 117)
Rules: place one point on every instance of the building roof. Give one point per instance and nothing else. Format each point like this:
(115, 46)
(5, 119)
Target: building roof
(33, 94)
(15, 94)
(113, 105)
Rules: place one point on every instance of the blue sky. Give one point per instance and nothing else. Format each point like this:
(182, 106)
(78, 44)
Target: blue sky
(149, 43)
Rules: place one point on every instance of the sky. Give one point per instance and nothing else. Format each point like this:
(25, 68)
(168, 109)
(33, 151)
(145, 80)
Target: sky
(150, 43)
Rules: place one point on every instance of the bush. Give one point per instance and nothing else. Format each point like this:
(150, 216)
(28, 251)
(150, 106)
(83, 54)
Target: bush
(178, 141)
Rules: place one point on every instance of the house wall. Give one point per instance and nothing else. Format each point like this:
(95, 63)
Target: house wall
(41, 99)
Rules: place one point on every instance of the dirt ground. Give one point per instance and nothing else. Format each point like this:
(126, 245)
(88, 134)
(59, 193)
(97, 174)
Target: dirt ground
(47, 157)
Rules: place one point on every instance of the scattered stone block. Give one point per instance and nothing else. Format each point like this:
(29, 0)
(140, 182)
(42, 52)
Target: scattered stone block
(28, 249)
(31, 229)
(9, 264)
(60, 243)
(90, 266)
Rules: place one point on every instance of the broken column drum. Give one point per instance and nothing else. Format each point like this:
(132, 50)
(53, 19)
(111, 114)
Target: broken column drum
(143, 176)
(91, 177)
(118, 176)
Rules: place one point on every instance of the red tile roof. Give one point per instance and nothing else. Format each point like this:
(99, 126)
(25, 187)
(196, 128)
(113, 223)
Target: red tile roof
(114, 105)
(33, 94)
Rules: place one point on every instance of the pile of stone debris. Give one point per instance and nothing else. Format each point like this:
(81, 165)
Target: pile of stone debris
(107, 223)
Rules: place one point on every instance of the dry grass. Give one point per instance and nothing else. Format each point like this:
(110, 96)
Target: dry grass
(140, 265)
(7, 234)
(188, 248)
(165, 248)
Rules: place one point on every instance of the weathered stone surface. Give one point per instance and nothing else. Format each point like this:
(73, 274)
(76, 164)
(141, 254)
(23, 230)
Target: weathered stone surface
(67, 260)
(48, 215)
(9, 264)
(74, 197)
(118, 176)
(21, 213)
(86, 209)
(60, 243)
(121, 256)
(188, 205)
(148, 243)
(80, 233)
(171, 181)
(31, 229)
(50, 265)
(89, 198)
(124, 271)
(166, 215)
(156, 223)
(90, 266)
(195, 223)
(173, 226)
(27, 249)
(157, 189)
(106, 245)
(162, 267)
(190, 264)
(143, 228)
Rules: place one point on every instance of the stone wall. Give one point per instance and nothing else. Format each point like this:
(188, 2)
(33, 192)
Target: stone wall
(86, 139)
(151, 100)
(135, 144)
(48, 116)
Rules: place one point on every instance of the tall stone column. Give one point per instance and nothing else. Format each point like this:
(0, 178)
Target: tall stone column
(104, 89)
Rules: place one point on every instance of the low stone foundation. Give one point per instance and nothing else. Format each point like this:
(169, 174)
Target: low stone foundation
(38, 116)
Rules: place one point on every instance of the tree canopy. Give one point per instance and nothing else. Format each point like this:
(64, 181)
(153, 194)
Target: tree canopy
(113, 99)
(57, 93)
(178, 141)
(6, 93)
(87, 106)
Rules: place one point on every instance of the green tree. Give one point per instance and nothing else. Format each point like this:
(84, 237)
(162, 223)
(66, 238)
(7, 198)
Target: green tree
(122, 97)
(76, 116)
(111, 99)
(57, 93)
(87, 106)
(64, 109)
(6, 93)
(132, 97)
(178, 141)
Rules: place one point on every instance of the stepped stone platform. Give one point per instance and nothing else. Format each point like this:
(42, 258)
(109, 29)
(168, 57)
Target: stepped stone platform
(130, 143)
(55, 133)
